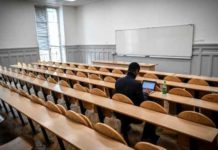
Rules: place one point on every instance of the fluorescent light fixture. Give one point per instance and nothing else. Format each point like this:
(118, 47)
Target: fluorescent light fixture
(70, 0)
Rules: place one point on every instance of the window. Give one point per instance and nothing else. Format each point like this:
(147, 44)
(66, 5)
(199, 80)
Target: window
(47, 27)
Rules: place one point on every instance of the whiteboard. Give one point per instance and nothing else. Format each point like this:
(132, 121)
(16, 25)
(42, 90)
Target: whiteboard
(169, 41)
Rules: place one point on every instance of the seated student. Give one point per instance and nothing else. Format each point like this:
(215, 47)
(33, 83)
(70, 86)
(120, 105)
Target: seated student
(133, 89)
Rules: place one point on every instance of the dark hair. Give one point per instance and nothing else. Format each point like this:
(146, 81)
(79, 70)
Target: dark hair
(133, 67)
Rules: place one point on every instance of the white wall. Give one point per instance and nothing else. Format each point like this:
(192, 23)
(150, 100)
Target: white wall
(17, 24)
(70, 25)
(98, 21)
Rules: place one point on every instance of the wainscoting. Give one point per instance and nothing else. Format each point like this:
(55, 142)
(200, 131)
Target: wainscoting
(203, 62)
(12, 56)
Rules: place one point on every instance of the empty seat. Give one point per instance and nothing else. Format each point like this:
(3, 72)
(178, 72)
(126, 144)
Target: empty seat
(153, 106)
(94, 76)
(79, 118)
(51, 69)
(81, 67)
(50, 105)
(104, 70)
(70, 72)
(92, 68)
(109, 132)
(59, 70)
(150, 75)
(172, 78)
(199, 118)
(176, 108)
(122, 98)
(117, 71)
(81, 74)
(110, 79)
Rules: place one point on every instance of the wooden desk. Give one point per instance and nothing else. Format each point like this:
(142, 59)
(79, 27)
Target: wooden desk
(161, 75)
(168, 97)
(74, 133)
(189, 128)
(186, 100)
(143, 66)
(111, 85)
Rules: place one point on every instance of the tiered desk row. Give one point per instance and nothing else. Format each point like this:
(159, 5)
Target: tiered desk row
(188, 128)
(166, 121)
(168, 97)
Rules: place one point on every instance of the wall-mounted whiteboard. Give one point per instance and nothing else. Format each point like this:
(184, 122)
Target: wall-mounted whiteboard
(170, 41)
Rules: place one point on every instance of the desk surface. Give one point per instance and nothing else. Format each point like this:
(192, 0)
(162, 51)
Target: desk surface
(111, 85)
(163, 120)
(122, 63)
(159, 73)
(74, 133)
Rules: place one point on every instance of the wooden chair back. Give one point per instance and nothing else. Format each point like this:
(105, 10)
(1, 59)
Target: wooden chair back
(63, 83)
(62, 109)
(147, 146)
(69, 72)
(117, 71)
(180, 92)
(104, 70)
(76, 117)
(81, 74)
(94, 76)
(89, 123)
(21, 92)
(41, 77)
(64, 65)
(81, 67)
(153, 106)
(51, 69)
(109, 132)
(44, 68)
(92, 68)
(109, 79)
(98, 92)
(59, 70)
(211, 98)
(32, 75)
(52, 80)
(197, 118)
(198, 82)
(79, 87)
(72, 66)
(37, 100)
(122, 98)
(172, 78)
(151, 76)
(50, 105)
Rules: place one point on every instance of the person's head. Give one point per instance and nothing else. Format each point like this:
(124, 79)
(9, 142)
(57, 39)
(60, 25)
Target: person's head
(134, 68)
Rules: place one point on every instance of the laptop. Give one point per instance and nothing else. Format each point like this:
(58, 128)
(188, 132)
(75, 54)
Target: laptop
(148, 85)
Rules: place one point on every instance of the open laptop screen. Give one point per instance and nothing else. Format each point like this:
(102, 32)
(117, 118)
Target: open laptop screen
(148, 85)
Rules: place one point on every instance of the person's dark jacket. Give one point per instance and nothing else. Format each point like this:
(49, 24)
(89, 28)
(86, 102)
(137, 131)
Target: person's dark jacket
(131, 88)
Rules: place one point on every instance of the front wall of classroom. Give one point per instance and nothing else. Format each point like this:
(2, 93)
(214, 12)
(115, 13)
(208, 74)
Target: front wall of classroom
(97, 22)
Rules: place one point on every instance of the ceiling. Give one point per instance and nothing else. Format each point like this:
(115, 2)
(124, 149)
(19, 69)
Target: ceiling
(63, 2)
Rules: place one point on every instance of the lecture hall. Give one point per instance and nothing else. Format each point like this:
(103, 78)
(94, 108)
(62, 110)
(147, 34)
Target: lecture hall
(108, 75)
